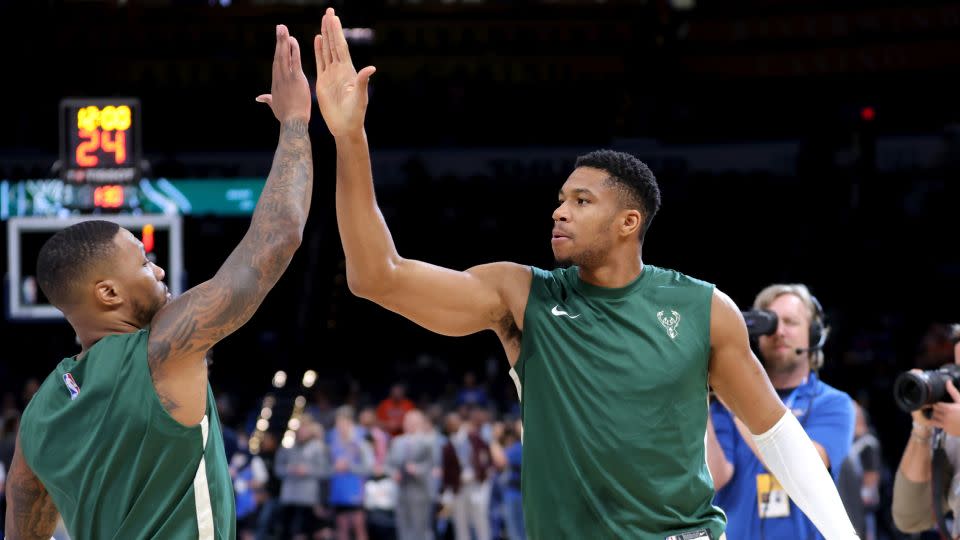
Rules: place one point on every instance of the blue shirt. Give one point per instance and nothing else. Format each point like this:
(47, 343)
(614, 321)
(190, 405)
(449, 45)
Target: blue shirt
(827, 415)
(346, 488)
(472, 396)
(514, 459)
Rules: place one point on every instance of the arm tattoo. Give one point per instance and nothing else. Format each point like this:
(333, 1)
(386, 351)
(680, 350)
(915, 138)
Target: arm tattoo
(31, 514)
(168, 402)
(211, 311)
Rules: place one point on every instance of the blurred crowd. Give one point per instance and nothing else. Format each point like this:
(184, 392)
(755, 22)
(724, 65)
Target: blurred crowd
(384, 470)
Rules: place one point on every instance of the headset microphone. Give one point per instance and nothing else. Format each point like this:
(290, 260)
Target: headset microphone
(821, 339)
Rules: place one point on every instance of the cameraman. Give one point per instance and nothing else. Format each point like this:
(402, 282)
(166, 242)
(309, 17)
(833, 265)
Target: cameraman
(912, 493)
(757, 507)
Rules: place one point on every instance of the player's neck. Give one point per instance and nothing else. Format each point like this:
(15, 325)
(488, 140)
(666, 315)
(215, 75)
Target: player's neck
(613, 273)
(789, 379)
(92, 332)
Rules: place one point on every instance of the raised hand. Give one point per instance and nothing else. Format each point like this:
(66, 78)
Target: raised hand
(289, 96)
(341, 91)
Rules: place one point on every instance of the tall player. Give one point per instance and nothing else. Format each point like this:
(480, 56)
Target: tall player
(614, 355)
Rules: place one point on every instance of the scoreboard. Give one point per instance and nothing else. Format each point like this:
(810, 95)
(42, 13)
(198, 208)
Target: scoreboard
(100, 152)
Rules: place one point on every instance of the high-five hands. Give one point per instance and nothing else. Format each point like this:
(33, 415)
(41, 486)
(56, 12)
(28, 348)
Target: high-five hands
(289, 96)
(341, 91)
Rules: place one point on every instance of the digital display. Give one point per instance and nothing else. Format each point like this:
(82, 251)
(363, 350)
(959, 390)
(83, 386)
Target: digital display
(200, 197)
(100, 141)
(108, 196)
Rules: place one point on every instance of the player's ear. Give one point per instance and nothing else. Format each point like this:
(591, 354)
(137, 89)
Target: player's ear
(631, 222)
(107, 293)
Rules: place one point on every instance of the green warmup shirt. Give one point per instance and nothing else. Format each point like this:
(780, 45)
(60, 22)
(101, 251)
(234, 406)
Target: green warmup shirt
(117, 465)
(613, 386)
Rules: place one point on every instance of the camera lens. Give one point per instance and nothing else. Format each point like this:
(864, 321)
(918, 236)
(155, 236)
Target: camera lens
(910, 391)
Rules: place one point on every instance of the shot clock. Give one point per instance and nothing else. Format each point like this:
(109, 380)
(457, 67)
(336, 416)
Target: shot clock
(100, 151)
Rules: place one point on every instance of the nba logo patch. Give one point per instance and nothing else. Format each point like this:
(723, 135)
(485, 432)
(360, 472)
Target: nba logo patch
(72, 386)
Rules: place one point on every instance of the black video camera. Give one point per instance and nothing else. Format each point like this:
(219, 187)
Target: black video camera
(760, 322)
(914, 391)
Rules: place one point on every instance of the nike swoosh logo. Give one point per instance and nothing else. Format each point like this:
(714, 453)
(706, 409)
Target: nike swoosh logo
(558, 312)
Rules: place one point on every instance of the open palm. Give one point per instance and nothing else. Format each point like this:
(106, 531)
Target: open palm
(341, 91)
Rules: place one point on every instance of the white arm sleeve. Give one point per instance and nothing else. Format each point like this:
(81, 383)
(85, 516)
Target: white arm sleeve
(794, 461)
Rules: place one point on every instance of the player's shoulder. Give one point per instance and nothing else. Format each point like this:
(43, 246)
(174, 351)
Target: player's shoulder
(676, 277)
(503, 272)
(556, 274)
(109, 350)
(54, 382)
(512, 281)
(48, 383)
(557, 277)
(137, 338)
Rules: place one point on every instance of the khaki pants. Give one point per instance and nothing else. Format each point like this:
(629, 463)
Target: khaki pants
(471, 508)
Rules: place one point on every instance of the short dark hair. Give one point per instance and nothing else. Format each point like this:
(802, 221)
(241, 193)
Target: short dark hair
(67, 256)
(639, 188)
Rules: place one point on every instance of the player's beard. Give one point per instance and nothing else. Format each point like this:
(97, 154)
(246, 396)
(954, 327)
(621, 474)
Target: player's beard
(143, 312)
(593, 255)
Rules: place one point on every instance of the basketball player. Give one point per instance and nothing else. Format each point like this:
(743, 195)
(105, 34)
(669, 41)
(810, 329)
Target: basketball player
(614, 355)
(123, 439)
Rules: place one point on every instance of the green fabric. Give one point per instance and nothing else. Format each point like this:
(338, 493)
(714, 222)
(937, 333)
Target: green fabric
(614, 405)
(117, 465)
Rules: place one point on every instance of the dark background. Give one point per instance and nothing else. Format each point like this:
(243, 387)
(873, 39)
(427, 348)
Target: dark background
(863, 211)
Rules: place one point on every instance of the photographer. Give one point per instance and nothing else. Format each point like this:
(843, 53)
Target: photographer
(912, 493)
(756, 505)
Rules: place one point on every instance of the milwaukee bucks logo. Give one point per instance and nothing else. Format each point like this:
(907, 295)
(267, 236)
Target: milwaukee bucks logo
(670, 323)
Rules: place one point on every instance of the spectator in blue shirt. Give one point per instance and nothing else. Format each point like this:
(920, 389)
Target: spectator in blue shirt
(512, 503)
(755, 504)
(471, 394)
(352, 462)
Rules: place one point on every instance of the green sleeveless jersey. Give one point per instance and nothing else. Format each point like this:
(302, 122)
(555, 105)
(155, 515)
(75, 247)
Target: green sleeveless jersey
(613, 385)
(116, 464)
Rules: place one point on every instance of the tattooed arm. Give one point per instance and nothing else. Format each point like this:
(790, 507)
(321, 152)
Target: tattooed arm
(30, 511)
(187, 327)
